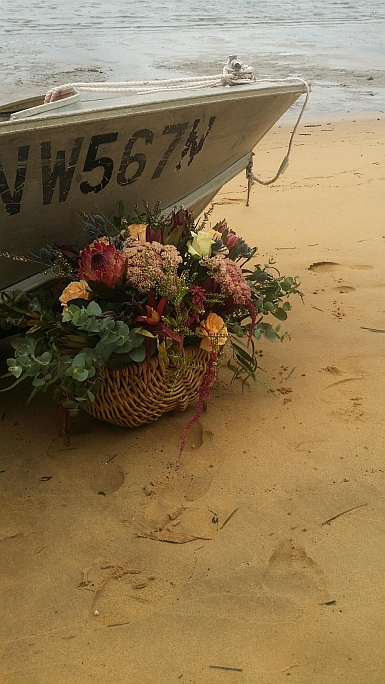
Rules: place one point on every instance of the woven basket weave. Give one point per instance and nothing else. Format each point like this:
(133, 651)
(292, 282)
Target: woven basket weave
(141, 393)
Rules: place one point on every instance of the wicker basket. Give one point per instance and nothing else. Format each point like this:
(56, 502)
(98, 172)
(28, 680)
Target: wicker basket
(140, 392)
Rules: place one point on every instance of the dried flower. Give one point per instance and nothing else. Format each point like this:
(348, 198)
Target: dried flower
(231, 239)
(150, 263)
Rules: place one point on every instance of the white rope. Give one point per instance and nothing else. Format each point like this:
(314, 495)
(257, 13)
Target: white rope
(234, 73)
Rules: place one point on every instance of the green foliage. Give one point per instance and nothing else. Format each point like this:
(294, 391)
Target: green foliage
(270, 292)
(73, 362)
(244, 362)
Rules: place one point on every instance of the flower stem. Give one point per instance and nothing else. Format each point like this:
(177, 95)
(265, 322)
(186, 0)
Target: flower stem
(64, 425)
(208, 380)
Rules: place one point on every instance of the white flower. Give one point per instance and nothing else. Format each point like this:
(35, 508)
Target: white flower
(200, 245)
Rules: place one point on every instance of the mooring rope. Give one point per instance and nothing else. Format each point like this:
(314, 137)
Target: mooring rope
(251, 177)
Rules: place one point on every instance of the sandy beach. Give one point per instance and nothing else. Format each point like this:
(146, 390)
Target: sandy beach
(283, 490)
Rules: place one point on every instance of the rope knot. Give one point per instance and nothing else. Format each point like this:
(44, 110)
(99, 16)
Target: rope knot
(236, 72)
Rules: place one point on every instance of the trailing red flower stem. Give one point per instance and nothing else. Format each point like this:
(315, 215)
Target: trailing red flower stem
(208, 380)
(64, 425)
(148, 360)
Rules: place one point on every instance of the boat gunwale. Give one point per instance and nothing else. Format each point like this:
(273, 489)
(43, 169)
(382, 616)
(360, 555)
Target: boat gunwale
(116, 111)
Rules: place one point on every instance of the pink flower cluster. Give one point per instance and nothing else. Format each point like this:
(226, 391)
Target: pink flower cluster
(149, 263)
(229, 277)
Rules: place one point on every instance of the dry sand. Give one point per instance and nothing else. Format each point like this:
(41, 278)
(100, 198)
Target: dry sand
(291, 586)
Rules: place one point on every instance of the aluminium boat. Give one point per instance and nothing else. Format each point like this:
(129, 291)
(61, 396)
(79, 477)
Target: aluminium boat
(82, 150)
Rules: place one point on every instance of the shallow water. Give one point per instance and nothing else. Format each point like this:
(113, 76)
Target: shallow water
(339, 46)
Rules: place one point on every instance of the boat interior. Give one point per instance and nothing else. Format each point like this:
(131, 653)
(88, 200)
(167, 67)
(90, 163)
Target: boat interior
(11, 108)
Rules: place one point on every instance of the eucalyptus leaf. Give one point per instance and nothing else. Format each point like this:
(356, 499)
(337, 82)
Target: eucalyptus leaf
(69, 404)
(124, 348)
(16, 371)
(81, 375)
(281, 314)
(93, 309)
(270, 335)
(79, 361)
(138, 355)
(45, 358)
(38, 382)
(287, 284)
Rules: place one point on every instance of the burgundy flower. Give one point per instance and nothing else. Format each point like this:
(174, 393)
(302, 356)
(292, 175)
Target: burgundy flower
(154, 235)
(153, 320)
(181, 219)
(231, 239)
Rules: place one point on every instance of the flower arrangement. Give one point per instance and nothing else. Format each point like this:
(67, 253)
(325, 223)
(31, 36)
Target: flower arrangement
(145, 287)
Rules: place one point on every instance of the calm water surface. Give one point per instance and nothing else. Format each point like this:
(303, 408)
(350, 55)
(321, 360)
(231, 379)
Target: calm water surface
(338, 45)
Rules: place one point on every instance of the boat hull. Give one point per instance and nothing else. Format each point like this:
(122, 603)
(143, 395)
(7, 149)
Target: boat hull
(178, 151)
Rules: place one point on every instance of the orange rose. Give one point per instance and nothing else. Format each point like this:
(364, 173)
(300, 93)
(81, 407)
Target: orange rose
(138, 231)
(75, 290)
(213, 331)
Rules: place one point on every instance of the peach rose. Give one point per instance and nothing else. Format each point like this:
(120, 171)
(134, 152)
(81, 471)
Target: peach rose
(214, 332)
(76, 290)
(138, 231)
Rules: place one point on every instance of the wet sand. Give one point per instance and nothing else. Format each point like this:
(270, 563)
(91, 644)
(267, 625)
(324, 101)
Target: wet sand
(283, 490)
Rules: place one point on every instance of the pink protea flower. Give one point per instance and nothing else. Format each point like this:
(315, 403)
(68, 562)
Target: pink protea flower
(101, 261)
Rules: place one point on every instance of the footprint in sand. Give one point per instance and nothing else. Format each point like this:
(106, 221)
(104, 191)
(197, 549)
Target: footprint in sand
(122, 593)
(105, 478)
(344, 289)
(268, 612)
(345, 397)
(331, 266)
(230, 200)
(325, 266)
(361, 379)
(292, 572)
(179, 525)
